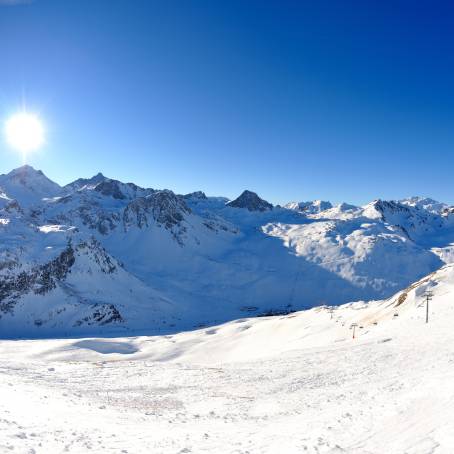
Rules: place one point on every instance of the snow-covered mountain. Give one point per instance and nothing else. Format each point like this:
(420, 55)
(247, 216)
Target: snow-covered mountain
(425, 203)
(312, 207)
(251, 201)
(103, 255)
(27, 185)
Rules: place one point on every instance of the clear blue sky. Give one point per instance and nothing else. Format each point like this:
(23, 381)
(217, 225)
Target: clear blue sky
(339, 100)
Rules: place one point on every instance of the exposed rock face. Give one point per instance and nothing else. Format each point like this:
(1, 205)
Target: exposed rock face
(81, 182)
(121, 191)
(13, 207)
(165, 207)
(168, 209)
(85, 209)
(110, 188)
(390, 207)
(103, 314)
(162, 207)
(197, 195)
(103, 221)
(251, 201)
(39, 279)
(449, 211)
(17, 281)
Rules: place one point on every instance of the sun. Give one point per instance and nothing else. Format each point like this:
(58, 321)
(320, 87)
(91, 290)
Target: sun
(25, 132)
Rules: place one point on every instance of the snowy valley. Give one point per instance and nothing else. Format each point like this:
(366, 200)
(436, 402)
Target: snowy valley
(106, 257)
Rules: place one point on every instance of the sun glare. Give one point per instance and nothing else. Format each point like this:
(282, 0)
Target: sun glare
(24, 132)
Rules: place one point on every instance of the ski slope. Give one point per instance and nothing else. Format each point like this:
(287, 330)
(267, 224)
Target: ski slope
(294, 383)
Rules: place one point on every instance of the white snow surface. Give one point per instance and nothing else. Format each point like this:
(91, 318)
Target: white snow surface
(291, 384)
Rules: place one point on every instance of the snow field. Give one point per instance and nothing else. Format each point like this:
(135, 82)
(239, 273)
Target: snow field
(297, 383)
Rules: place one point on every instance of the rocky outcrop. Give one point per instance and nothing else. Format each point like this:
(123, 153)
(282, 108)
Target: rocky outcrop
(250, 201)
(166, 208)
(197, 195)
(82, 182)
(103, 314)
(39, 279)
(110, 188)
(42, 279)
(121, 191)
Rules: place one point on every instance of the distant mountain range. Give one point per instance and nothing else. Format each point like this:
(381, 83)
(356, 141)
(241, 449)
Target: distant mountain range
(102, 256)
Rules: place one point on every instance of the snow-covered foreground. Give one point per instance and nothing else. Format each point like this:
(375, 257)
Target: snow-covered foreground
(290, 384)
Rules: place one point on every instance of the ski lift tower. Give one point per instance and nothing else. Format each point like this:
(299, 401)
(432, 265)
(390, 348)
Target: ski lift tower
(353, 326)
(428, 295)
(331, 311)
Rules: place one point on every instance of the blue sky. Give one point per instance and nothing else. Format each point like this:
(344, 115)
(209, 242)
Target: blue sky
(339, 100)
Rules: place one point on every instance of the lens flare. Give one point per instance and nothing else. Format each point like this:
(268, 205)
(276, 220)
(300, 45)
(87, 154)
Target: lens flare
(24, 132)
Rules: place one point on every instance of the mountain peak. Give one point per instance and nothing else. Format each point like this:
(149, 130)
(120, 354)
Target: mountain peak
(81, 182)
(28, 185)
(251, 201)
(25, 170)
(197, 195)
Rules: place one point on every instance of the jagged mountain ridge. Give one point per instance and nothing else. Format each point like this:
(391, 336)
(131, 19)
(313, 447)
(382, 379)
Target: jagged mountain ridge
(182, 261)
(311, 207)
(81, 182)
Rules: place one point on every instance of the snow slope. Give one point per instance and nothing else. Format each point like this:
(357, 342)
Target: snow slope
(294, 383)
